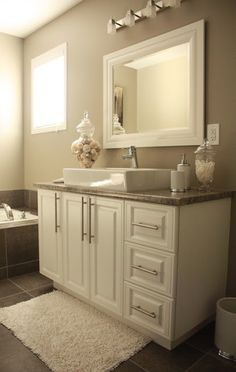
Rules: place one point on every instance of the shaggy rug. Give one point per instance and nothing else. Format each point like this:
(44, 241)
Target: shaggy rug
(69, 335)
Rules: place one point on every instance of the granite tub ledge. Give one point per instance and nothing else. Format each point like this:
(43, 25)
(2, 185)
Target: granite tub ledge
(152, 196)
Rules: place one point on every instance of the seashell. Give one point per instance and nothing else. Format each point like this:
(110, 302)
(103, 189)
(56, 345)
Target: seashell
(86, 148)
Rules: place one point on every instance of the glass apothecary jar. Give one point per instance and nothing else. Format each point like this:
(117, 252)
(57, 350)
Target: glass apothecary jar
(85, 147)
(205, 165)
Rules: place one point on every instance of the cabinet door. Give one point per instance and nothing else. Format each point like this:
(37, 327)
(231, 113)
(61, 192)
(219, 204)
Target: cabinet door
(75, 244)
(106, 253)
(50, 242)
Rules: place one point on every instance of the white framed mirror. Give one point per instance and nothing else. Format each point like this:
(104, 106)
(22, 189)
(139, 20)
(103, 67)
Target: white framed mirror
(154, 91)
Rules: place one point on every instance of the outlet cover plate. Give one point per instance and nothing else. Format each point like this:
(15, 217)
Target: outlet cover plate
(213, 134)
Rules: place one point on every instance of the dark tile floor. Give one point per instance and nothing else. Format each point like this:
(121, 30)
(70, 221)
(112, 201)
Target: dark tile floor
(197, 354)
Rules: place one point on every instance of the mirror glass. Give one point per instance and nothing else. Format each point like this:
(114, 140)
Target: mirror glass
(145, 88)
(153, 91)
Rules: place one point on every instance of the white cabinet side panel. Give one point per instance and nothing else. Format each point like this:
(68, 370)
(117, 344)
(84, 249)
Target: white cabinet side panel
(202, 261)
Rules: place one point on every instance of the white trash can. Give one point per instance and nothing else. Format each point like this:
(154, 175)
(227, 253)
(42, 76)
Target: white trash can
(225, 331)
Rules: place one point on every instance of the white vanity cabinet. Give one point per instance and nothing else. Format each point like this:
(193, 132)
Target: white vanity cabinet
(86, 245)
(159, 268)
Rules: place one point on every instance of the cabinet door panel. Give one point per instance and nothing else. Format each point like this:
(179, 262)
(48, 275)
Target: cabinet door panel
(50, 247)
(106, 254)
(75, 247)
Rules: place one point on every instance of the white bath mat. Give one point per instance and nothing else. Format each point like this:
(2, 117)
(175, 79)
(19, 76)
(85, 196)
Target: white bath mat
(71, 336)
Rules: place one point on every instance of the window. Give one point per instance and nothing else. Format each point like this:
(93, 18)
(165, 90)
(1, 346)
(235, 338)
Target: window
(48, 90)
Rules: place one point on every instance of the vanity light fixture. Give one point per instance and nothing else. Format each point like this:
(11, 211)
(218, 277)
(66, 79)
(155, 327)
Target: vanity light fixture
(172, 3)
(129, 19)
(111, 26)
(150, 11)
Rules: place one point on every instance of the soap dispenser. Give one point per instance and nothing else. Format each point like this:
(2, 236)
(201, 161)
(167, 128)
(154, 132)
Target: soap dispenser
(186, 168)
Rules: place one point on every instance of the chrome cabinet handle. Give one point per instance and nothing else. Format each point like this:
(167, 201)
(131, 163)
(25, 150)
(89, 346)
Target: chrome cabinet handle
(141, 224)
(82, 220)
(56, 198)
(90, 227)
(141, 268)
(145, 312)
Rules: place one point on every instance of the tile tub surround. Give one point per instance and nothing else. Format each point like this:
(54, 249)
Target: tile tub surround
(20, 198)
(165, 197)
(19, 245)
(15, 198)
(196, 354)
(19, 251)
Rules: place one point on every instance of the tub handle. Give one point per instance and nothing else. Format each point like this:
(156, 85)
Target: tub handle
(56, 222)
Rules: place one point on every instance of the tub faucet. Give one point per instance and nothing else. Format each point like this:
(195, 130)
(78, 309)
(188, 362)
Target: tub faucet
(8, 211)
(131, 154)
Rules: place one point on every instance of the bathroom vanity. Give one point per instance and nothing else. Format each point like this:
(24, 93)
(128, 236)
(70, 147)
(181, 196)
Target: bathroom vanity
(155, 260)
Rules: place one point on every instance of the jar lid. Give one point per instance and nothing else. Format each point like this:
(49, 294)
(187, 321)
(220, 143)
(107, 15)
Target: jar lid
(85, 128)
(205, 147)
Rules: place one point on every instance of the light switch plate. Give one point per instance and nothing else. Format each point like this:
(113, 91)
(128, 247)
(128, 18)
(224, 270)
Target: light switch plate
(213, 134)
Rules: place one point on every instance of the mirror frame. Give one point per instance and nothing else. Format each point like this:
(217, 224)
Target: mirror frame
(194, 133)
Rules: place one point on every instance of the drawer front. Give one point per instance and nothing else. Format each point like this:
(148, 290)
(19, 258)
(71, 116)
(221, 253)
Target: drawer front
(149, 310)
(149, 268)
(151, 224)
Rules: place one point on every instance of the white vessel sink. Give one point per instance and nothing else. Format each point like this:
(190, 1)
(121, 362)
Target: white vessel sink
(120, 179)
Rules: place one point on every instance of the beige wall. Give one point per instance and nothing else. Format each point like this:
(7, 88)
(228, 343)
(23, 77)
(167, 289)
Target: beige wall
(11, 128)
(84, 29)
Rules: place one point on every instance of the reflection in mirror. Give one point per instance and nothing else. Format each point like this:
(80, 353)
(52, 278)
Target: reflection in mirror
(145, 89)
(153, 91)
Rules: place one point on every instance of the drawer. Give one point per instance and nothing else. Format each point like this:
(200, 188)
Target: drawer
(149, 268)
(149, 310)
(154, 225)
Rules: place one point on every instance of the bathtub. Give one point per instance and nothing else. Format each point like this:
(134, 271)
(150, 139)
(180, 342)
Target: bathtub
(29, 219)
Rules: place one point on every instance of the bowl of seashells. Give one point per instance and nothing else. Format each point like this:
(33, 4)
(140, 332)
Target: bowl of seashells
(85, 147)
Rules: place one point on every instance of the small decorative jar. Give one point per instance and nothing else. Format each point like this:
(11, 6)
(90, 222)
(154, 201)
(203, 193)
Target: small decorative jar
(117, 127)
(86, 148)
(205, 165)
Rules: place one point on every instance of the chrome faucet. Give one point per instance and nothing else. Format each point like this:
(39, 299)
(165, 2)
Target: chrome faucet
(131, 154)
(8, 211)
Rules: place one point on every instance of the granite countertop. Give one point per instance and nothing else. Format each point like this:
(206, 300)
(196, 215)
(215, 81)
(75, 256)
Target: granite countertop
(152, 196)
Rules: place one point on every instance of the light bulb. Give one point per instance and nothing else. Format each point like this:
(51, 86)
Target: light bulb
(129, 19)
(150, 10)
(172, 3)
(111, 26)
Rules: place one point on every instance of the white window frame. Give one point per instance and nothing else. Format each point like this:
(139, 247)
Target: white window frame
(60, 50)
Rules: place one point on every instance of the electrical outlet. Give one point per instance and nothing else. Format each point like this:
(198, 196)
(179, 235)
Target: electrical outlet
(213, 134)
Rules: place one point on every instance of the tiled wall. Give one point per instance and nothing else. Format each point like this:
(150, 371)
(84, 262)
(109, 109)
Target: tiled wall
(20, 198)
(19, 253)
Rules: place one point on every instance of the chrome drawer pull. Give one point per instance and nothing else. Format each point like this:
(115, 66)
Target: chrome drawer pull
(140, 224)
(145, 312)
(56, 198)
(90, 222)
(82, 220)
(139, 267)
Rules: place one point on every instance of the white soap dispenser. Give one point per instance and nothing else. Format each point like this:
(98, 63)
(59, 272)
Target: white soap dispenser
(184, 166)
